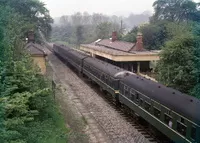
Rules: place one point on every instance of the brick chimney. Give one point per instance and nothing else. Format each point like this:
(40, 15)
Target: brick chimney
(139, 43)
(114, 36)
(31, 36)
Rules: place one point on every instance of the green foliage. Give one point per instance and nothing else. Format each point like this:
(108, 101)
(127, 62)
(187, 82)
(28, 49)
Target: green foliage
(84, 28)
(174, 28)
(25, 96)
(154, 35)
(179, 64)
(103, 30)
(176, 11)
(130, 37)
(176, 65)
(79, 34)
(33, 11)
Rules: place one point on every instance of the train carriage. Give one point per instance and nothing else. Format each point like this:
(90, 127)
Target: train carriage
(76, 59)
(69, 55)
(61, 51)
(174, 114)
(103, 74)
(171, 112)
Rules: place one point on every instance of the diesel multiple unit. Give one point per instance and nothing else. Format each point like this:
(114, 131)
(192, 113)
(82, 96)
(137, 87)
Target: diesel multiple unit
(173, 113)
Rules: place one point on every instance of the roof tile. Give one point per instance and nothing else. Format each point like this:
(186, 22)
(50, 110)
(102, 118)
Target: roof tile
(118, 45)
(35, 49)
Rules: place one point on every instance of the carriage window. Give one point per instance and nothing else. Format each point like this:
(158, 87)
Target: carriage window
(132, 96)
(169, 112)
(141, 101)
(125, 87)
(111, 80)
(147, 106)
(157, 112)
(168, 119)
(126, 91)
(106, 77)
(133, 92)
(193, 133)
(137, 97)
(181, 128)
(182, 120)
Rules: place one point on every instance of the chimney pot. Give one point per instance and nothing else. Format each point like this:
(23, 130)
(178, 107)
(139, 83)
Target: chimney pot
(114, 36)
(31, 36)
(139, 43)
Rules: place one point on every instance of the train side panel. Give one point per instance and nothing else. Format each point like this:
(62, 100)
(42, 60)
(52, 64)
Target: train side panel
(104, 80)
(158, 115)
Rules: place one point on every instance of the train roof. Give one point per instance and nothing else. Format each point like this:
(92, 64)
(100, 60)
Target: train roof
(77, 54)
(70, 52)
(61, 46)
(103, 66)
(183, 104)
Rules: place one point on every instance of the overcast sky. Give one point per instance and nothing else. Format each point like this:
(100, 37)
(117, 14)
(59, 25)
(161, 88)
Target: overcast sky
(65, 7)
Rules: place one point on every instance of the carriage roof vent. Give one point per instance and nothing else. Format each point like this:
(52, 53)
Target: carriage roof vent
(97, 41)
(123, 74)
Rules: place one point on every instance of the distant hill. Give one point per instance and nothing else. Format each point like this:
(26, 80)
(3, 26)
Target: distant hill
(130, 20)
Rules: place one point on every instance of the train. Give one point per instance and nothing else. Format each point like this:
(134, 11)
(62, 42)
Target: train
(173, 113)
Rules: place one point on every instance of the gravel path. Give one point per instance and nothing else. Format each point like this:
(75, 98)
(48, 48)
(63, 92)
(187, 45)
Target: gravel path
(110, 126)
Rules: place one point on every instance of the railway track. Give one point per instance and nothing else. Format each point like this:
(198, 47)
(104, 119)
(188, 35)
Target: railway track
(119, 124)
(141, 125)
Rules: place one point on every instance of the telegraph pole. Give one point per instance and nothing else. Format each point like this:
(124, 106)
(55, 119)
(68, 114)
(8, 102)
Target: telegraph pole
(121, 27)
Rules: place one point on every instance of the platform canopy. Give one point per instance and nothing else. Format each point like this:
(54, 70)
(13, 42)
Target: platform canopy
(121, 51)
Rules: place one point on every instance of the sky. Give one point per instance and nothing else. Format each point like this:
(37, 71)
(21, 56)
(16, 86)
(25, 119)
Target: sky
(58, 8)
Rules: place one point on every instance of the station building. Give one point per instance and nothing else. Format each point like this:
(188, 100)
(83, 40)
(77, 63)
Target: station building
(129, 56)
(37, 53)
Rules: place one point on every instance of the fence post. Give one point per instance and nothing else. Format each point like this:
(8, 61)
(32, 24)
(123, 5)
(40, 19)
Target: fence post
(54, 89)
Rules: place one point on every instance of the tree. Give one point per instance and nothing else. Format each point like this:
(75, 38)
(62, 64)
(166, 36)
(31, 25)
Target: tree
(77, 18)
(178, 67)
(154, 35)
(79, 34)
(104, 30)
(24, 94)
(33, 11)
(176, 11)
